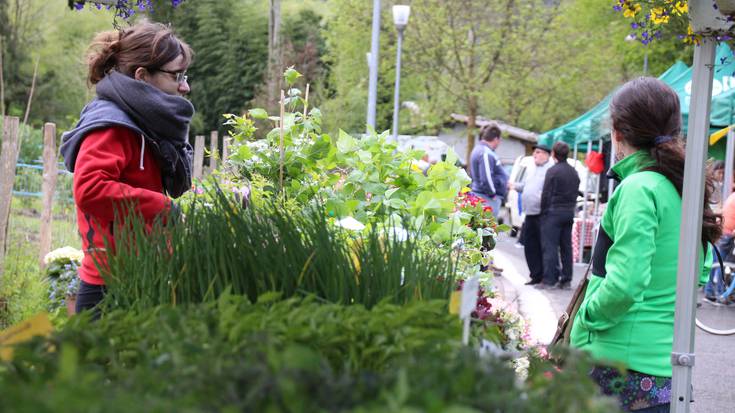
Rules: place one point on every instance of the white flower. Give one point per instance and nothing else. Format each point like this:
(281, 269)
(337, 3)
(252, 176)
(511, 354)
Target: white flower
(351, 224)
(521, 365)
(69, 253)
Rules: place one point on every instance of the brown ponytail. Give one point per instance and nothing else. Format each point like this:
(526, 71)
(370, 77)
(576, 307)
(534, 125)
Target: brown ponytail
(646, 112)
(148, 45)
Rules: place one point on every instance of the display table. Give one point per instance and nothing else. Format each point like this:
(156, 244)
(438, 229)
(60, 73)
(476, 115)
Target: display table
(576, 236)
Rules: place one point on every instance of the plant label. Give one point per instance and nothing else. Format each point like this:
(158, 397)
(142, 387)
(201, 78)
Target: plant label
(469, 297)
(39, 325)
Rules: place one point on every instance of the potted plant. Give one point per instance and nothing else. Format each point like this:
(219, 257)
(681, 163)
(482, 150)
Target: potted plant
(651, 19)
(62, 266)
(481, 218)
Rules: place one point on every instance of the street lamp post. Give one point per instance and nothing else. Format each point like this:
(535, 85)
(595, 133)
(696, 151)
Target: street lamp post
(400, 18)
(631, 38)
(373, 67)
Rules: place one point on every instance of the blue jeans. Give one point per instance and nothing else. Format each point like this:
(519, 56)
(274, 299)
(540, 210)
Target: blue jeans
(661, 408)
(724, 245)
(556, 244)
(88, 298)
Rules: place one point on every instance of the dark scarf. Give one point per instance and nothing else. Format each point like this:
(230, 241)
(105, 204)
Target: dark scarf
(162, 118)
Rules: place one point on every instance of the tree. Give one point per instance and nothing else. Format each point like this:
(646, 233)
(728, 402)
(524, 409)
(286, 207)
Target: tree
(347, 36)
(478, 43)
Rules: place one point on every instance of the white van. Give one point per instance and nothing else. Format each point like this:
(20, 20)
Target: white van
(522, 167)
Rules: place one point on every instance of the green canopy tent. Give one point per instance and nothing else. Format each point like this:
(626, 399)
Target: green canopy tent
(591, 126)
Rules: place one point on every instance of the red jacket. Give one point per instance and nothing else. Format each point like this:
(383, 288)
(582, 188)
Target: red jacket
(109, 173)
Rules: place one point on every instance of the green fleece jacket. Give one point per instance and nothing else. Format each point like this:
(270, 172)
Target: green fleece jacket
(628, 311)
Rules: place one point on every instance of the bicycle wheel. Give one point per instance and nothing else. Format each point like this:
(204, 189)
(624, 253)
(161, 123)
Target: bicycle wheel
(716, 317)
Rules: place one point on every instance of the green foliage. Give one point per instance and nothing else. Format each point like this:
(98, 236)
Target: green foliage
(367, 179)
(229, 39)
(23, 286)
(294, 355)
(348, 39)
(57, 38)
(219, 246)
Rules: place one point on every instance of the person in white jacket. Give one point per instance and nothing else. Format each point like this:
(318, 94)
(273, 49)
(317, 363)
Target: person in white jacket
(530, 190)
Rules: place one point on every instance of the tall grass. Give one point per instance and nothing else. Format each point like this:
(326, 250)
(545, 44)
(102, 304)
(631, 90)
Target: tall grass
(23, 286)
(220, 246)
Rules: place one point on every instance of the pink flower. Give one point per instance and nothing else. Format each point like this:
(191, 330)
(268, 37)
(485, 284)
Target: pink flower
(646, 384)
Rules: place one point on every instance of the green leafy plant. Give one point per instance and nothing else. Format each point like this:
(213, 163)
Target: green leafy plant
(62, 265)
(220, 246)
(279, 355)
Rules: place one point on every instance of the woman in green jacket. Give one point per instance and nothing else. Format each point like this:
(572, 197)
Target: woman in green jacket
(627, 315)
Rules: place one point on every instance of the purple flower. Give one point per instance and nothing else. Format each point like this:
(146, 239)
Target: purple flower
(79, 6)
(617, 8)
(634, 25)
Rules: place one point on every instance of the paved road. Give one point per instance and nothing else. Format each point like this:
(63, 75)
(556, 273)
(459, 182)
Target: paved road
(714, 372)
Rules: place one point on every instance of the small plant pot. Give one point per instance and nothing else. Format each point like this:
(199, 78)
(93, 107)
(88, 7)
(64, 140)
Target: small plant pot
(488, 242)
(71, 305)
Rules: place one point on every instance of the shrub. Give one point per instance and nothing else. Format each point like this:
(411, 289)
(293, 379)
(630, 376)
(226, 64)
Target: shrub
(276, 355)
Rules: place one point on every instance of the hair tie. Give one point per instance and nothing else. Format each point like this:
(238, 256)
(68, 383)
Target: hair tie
(660, 140)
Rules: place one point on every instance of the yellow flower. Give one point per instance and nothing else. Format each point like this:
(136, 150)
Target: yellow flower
(658, 16)
(691, 37)
(630, 10)
(681, 7)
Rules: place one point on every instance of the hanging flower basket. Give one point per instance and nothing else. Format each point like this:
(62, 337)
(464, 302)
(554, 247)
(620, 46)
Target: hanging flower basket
(651, 20)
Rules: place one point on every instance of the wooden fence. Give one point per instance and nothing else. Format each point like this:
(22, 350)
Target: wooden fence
(10, 150)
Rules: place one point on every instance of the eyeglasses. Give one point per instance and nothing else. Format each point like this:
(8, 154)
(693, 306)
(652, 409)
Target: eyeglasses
(181, 77)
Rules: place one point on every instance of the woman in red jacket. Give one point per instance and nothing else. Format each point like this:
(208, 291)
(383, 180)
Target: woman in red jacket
(130, 146)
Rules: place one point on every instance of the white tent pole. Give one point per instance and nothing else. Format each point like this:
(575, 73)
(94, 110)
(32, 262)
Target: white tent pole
(688, 271)
(610, 181)
(597, 187)
(584, 207)
(575, 154)
(729, 160)
(597, 198)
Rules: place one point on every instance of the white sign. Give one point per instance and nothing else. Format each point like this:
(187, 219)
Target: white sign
(469, 297)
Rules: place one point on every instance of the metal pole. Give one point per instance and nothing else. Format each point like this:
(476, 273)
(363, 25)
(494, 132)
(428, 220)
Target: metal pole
(597, 187)
(575, 154)
(610, 181)
(396, 95)
(584, 206)
(682, 356)
(373, 66)
(597, 201)
(729, 160)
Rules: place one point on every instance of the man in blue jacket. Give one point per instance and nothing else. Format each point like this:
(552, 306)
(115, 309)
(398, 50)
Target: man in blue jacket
(489, 179)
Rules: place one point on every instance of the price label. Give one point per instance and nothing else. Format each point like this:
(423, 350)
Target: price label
(39, 325)
(469, 297)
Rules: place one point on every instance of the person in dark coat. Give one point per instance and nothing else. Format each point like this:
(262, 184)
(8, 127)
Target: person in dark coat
(558, 200)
